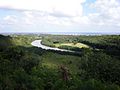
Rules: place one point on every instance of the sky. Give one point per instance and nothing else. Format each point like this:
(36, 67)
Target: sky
(59, 16)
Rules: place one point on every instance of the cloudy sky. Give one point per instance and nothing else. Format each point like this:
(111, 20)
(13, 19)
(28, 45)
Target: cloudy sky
(59, 16)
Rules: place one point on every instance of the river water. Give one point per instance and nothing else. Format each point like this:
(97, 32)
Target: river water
(37, 43)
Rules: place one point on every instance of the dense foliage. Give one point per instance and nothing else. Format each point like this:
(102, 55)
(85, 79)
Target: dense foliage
(108, 43)
(24, 67)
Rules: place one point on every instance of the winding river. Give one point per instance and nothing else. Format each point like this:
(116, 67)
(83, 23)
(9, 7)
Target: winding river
(37, 43)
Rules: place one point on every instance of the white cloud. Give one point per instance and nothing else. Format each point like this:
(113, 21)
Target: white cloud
(10, 19)
(62, 13)
(40, 17)
(58, 12)
(65, 7)
(108, 12)
(81, 20)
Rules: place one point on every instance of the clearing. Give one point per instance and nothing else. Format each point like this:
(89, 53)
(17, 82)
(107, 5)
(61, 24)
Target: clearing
(79, 45)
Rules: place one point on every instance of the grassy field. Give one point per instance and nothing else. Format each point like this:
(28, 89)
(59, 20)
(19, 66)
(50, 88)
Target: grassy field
(78, 45)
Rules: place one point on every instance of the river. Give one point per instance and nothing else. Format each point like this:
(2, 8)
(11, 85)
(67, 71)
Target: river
(37, 43)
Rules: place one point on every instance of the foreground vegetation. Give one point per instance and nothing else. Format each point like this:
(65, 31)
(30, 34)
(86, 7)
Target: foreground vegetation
(24, 67)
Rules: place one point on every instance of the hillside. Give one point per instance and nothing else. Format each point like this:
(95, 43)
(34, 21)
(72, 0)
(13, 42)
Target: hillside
(24, 67)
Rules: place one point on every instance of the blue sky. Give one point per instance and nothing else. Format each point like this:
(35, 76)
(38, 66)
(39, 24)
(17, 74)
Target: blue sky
(59, 16)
